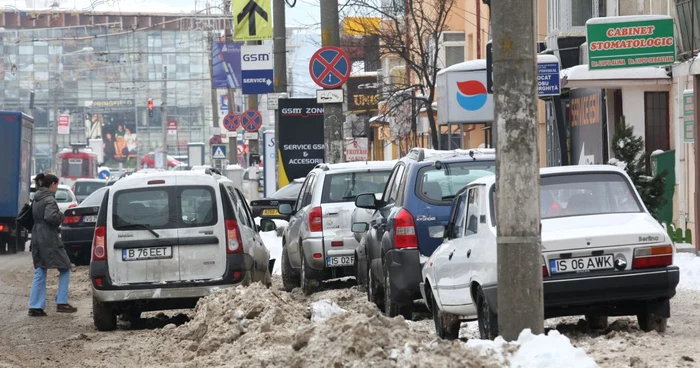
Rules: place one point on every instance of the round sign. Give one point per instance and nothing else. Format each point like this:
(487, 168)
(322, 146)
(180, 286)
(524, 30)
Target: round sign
(330, 67)
(103, 174)
(215, 139)
(232, 122)
(251, 120)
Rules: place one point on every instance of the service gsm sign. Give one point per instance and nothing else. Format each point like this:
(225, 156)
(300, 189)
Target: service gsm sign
(256, 69)
(630, 41)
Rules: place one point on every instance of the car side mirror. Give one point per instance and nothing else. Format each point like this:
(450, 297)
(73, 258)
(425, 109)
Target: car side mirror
(267, 225)
(367, 201)
(360, 227)
(285, 209)
(436, 232)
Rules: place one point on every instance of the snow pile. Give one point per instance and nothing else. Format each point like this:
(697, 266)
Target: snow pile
(324, 309)
(620, 164)
(689, 265)
(553, 350)
(274, 244)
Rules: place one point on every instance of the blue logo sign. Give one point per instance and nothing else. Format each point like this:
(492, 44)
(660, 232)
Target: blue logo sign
(226, 60)
(471, 95)
(218, 151)
(104, 174)
(257, 82)
(548, 82)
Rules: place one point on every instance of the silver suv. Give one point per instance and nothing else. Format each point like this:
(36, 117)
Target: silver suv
(163, 240)
(318, 244)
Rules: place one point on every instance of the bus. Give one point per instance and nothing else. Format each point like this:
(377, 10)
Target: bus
(75, 163)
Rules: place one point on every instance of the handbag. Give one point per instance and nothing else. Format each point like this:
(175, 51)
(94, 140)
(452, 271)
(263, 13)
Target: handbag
(26, 217)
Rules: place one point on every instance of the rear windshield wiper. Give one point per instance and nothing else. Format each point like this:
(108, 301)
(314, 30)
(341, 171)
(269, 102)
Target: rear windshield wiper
(142, 226)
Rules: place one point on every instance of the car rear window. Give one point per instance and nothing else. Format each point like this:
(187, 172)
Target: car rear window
(165, 207)
(87, 187)
(344, 187)
(441, 186)
(290, 190)
(94, 199)
(63, 196)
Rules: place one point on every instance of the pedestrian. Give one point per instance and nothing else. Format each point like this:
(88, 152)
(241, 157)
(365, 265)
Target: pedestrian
(47, 248)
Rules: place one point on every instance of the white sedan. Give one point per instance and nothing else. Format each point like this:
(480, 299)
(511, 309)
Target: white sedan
(65, 197)
(603, 254)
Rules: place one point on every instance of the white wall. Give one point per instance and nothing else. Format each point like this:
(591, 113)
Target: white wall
(633, 105)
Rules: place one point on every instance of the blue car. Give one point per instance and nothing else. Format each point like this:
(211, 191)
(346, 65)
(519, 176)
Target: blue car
(416, 201)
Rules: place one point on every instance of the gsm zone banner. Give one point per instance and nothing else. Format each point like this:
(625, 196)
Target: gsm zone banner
(300, 137)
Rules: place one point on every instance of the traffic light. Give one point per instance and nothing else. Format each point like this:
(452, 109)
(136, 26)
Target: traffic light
(150, 107)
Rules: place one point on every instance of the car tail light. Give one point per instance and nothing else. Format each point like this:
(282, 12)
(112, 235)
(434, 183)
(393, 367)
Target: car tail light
(72, 219)
(405, 231)
(545, 271)
(650, 257)
(316, 219)
(99, 242)
(73, 205)
(234, 244)
(3, 228)
(337, 243)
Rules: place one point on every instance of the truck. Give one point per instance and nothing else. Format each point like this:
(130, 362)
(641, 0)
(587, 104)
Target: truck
(15, 175)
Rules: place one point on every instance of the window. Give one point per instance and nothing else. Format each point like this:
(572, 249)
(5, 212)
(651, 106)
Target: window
(94, 199)
(656, 124)
(72, 167)
(149, 207)
(87, 188)
(583, 10)
(473, 213)
(440, 186)
(396, 184)
(452, 49)
(63, 196)
(458, 217)
(305, 193)
(290, 190)
(345, 187)
(197, 207)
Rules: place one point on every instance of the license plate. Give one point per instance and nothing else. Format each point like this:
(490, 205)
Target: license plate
(90, 219)
(340, 261)
(271, 212)
(140, 254)
(582, 264)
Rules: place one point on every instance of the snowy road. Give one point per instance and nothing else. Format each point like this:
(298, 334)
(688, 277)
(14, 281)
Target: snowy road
(260, 327)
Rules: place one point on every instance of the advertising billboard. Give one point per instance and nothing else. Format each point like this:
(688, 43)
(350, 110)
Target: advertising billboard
(362, 93)
(300, 147)
(226, 60)
(587, 125)
(112, 120)
(462, 95)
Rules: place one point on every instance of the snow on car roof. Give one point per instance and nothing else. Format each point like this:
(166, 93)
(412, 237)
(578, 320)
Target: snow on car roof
(490, 179)
(358, 165)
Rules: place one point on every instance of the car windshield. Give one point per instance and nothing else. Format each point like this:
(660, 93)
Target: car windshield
(586, 194)
(442, 185)
(84, 188)
(344, 187)
(94, 199)
(290, 190)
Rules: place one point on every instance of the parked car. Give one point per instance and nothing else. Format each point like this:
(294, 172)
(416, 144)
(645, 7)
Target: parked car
(267, 207)
(603, 254)
(149, 161)
(163, 240)
(318, 243)
(417, 197)
(82, 188)
(65, 198)
(78, 227)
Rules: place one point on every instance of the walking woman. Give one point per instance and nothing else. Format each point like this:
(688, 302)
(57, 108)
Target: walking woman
(47, 248)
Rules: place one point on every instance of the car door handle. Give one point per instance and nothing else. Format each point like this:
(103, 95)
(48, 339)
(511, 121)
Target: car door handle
(469, 253)
(451, 254)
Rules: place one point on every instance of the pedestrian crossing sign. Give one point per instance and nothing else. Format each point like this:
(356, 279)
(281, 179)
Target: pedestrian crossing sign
(218, 151)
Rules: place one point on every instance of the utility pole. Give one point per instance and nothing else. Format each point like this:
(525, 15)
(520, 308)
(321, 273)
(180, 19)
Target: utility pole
(279, 29)
(253, 105)
(232, 141)
(333, 113)
(520, 303)
(164, 116)
(214, 92)
(54, 133)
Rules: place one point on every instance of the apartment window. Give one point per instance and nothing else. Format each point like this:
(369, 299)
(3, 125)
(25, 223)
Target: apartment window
(583, 10)
(656, 124)
(452, 50)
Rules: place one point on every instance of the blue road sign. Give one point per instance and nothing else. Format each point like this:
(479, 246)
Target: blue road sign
(257, 82)
(330, 67)
(251, 120)
(104, 175)
(232, 122)
(218, 151)
(548, 82)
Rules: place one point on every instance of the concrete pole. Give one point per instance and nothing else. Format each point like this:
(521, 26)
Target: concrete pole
(214, 92)
(54, 133)
(280, 58)
(232, 141)
(520, 303)
(333, 113)
(696, 130)
(164, 116)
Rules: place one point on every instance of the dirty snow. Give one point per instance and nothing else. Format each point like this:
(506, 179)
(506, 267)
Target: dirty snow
(689, 265)
(620, 164)
(324, 309)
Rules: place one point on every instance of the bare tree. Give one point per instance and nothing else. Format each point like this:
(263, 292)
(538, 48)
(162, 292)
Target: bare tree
(409, 31)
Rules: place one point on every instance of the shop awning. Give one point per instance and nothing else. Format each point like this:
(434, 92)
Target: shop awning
(580, 76)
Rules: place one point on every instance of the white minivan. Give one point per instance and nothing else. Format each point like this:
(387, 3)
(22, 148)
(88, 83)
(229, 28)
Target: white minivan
(165, 239)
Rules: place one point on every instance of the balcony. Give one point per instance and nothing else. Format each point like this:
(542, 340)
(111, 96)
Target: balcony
(688, 25)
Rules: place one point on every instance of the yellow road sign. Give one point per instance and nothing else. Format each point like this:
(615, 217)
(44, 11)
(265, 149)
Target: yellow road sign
(253, 20)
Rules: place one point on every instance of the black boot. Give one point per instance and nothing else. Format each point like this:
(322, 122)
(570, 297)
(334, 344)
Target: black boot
(35, 312)
(66, 308)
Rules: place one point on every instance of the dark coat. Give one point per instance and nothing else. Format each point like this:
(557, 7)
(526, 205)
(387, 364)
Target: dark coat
(47, 247)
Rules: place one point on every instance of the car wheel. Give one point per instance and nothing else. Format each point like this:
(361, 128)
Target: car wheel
(392, 309)
(103, 316)
(290, 276)
(307, 282)
(446, 326)
(12, 245)
(360, 272)
(488, 320)
(651, 322)
(597, 321)
(374, 291)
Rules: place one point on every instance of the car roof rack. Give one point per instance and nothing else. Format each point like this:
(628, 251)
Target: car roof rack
(422, 154)
(323, 167)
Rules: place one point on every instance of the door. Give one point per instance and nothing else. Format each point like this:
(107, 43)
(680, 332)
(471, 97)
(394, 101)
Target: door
(296, 220)
(143, 237)
(202, 240)
(656, 124)
(251, 237)
(447, 275)
(467, 257)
